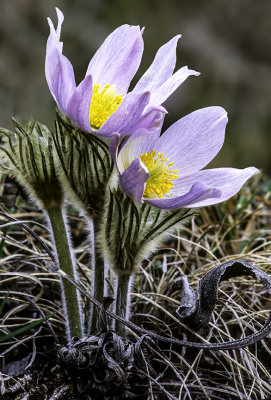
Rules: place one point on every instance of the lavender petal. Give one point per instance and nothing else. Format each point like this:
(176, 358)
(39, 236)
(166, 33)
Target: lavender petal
(150, 121)
(134, 147)
(193, 141)
(125, 117)
(198, 193)
(58, 69)
(228, 180)
(79, 104)
(159, 95)
(133, 179)
(161, 68)
(118, 58)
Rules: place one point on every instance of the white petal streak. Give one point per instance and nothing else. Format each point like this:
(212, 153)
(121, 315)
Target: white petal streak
(135, 147)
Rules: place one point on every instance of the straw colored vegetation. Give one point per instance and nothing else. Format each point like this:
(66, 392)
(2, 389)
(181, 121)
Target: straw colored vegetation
(238, 229)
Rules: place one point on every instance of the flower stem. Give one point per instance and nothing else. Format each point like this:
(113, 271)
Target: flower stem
(70, 299)
(98, 277)
(122, 302)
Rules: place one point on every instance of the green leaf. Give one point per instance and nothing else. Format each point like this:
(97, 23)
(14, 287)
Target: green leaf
(24, 328)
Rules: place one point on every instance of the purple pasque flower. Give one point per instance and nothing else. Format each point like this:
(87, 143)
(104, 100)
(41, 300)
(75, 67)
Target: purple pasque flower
(166, 170)
(100, 103)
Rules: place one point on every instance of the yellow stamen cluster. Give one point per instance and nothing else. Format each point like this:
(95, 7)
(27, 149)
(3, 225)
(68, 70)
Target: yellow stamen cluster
(103, 104)
(159, 182)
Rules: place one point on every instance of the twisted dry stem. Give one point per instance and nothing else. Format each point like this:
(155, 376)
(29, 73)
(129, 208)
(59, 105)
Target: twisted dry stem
(234, 344)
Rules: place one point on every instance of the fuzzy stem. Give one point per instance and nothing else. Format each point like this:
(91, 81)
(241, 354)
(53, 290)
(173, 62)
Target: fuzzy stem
(98, 278)
(122, 302)
(70, 298)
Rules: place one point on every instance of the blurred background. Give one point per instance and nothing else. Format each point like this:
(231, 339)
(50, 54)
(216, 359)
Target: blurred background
(228, 41)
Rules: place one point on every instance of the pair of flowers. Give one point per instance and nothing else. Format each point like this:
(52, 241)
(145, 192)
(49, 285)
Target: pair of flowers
(163, 170)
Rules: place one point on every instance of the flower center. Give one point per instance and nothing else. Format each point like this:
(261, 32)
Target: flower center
(103, 104)
(159, 182)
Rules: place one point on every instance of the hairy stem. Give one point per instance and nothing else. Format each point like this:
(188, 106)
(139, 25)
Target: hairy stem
(98, 277)
(122, 301)
(70, 298)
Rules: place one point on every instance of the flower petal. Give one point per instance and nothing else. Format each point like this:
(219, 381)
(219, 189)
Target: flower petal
(58, 69)
(123, 120)
(161, 68)
(133, 179)
(161, 93)
(150, 121)
(118, 58)
(198, 193)
(79, 104)
(113, 147)
(134, 147)
(193, 141)
(54, 37)
(228, 180)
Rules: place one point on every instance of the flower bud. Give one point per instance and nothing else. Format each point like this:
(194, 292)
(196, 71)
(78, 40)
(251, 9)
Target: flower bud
(130, 231)
(27, 155)
(85, 165)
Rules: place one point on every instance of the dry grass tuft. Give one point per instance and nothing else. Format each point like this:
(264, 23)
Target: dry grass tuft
(238, 229)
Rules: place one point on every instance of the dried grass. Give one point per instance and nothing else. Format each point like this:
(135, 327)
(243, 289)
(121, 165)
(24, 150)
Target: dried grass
(238, 229)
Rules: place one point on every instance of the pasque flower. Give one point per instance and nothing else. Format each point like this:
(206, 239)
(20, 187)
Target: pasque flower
(166, 170)
(100, 103)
